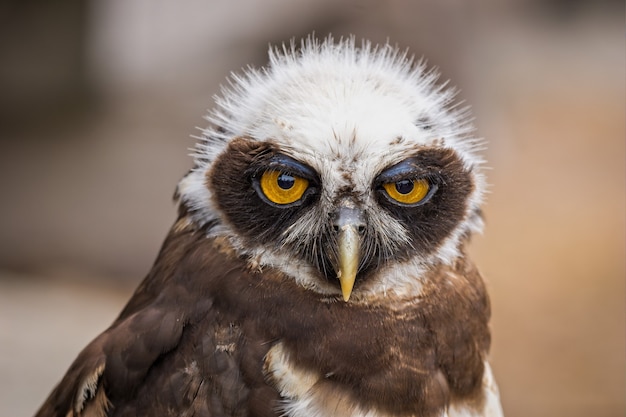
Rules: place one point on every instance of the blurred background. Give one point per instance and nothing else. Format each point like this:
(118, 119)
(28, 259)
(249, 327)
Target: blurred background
(99, 100)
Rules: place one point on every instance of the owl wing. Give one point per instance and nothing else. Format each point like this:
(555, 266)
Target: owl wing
(171, 351)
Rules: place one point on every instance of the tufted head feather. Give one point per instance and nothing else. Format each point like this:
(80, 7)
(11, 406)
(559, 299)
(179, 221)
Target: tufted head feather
(349, 112)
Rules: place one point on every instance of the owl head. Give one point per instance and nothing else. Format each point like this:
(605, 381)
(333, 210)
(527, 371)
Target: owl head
(345, 167)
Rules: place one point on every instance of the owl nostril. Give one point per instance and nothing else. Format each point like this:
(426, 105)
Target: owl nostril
(348, 216)
(360, 228)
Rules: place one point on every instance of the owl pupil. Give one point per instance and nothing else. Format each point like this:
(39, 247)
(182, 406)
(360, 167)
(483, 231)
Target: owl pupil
(286, 181)
(404, 186)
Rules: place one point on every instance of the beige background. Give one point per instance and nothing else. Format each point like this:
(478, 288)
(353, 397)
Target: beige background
(99, 100)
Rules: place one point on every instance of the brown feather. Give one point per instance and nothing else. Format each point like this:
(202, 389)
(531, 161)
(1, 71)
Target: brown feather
(193, 338)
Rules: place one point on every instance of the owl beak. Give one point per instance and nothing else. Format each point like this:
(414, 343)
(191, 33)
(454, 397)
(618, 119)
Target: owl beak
(348, 223)
(349, 247)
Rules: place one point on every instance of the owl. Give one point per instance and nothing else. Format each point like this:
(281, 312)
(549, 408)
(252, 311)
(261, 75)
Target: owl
(318, 265)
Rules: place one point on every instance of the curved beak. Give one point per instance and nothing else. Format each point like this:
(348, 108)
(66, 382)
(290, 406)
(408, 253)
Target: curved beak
(348, 224)
(349, 248)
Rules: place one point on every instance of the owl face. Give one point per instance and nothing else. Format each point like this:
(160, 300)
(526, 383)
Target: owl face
(343, 167)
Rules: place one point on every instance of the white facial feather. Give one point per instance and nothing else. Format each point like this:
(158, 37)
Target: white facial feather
(339, 108)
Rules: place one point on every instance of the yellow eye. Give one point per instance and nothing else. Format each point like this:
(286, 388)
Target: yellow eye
(407, 191)
(282, 188)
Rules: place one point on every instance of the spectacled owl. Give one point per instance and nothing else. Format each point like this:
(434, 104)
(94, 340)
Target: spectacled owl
(317, 267)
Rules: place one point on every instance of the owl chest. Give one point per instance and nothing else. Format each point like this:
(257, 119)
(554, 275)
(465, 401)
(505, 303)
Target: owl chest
(309, 393)
(306, 392)
(359, 360)
(370, 375)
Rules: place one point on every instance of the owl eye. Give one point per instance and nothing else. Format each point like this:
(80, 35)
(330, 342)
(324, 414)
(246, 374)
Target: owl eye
(282, 188)
(407, 191)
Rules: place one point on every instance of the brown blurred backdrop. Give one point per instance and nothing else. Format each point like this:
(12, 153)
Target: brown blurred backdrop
(99, 100)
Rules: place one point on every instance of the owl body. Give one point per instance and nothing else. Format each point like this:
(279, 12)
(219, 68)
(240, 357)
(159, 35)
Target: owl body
(317, 267)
